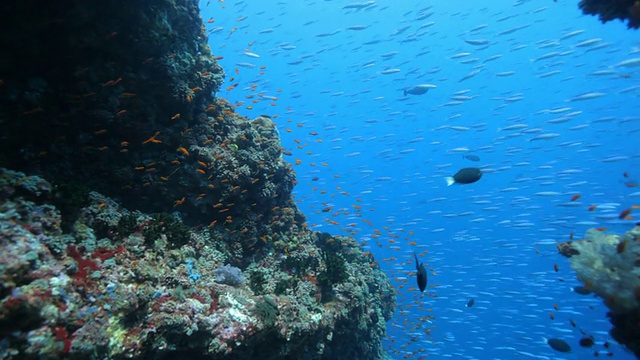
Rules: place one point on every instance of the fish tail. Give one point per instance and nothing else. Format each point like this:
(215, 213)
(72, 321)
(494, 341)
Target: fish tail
(450, 181)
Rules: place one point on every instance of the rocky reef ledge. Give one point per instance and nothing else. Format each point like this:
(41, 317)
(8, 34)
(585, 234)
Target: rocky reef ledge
(609, 266)
(142, 217)
(117, 286)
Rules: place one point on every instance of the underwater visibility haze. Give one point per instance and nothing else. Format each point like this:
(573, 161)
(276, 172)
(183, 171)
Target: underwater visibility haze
(322, 179)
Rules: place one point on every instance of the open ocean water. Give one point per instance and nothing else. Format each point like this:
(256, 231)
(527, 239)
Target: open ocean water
(530, 89)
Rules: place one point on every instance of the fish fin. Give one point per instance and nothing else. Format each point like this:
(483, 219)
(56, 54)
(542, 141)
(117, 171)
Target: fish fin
(450, 181)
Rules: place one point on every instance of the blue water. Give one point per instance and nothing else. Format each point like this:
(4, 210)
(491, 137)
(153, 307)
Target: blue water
(360, 142)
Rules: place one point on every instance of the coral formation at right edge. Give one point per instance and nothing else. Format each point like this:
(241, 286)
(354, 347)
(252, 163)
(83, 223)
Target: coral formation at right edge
(609, 265)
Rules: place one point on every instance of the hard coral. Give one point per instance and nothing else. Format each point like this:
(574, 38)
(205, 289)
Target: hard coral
(267, 310)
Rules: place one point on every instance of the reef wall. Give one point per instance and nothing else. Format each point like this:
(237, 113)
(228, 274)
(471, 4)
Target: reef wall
(141, 216)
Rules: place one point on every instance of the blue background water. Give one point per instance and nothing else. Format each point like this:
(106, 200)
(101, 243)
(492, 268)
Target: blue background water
(389, 154)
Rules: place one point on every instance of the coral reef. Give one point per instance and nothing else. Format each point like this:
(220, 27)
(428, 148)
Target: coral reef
(609, 265)
(165, 227)
(142, 127)
(628, 10)
(126, 294)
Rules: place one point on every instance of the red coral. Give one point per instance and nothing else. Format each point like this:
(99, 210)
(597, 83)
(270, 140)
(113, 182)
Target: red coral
(80, 276)
(103, 253)
(200, 298)
(62, 334)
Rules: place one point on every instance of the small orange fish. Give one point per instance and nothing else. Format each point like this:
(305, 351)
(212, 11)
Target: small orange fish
(176, 116)
(33, 111)
(183, 150)
(592, 207)
(153, 139)
(601, 229)
(555, 267)
(575, 197)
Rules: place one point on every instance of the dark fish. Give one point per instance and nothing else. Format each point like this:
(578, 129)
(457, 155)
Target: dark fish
(471, 157)
(422, 274)
(559, 345)
(470, 302)
(464, 176)
(418, 89)
(586, 342)
(582, 290)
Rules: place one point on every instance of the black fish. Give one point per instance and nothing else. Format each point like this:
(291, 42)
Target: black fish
(559, 345)
(582, 290)
(471, 157)
(422, 275)
(586, 342)
(470, 302)
(464, 176)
